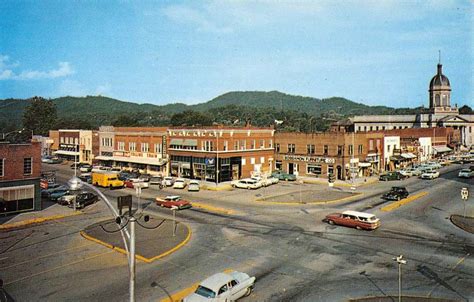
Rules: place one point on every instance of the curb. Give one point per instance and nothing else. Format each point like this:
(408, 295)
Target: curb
(402, 202)
(296, 203)
(213, 208)
(222, 188)
(342, 184)
(139, 257)
(20, 224)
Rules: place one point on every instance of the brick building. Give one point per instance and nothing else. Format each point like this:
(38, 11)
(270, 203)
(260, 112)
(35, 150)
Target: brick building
(140, 148)
(20, 170)
(220, 153)
(75, 145)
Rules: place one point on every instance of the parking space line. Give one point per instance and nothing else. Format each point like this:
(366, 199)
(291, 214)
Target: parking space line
(58, 267)
(178, 296)
(396, 205)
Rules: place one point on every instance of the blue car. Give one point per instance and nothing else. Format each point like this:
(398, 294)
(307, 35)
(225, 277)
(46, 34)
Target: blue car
(55, 195)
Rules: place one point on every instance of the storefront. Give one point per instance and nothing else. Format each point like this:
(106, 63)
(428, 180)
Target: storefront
(204, 168)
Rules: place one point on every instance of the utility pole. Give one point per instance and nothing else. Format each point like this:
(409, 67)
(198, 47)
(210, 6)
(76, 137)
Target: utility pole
(132, 257)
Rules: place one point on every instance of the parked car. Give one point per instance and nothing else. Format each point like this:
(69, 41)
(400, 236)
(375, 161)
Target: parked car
(433, 164)
(283, 176)
(358, 220)
(168, 181)
(86, 177)
(56, 194)
(414, 171)
(66, 199)
(405, 172)
(146, 177)
(391, 176)
(51, 188)
(56, 160)
(273, 179)
(429, 175)
(193, 186)
(466, 173)
(84, 199)
(173, 201)
(46, 159)
(179, 183)
(246, 183)
(396, 193)
(85, 168)
(76, 164)
(156, 181)
(223, 287)
(135, 182)
(265, 182)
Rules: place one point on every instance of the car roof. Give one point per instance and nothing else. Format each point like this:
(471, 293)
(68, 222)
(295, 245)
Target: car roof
(215, 281)
(194, 182)
(359, 214)
(172, 197)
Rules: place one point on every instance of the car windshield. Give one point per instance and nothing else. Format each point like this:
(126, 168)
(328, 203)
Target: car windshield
(371, 218)
(205, 292)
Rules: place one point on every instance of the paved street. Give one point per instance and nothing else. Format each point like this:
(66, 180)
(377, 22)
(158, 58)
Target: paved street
(294, 255)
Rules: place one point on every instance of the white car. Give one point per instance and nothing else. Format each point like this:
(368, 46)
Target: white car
(265, 182)
(139, 182)
(466, 173)
(434, 164)
(405, 172)
(168, 181)
(179, 183)
(194, 186)
(414, 171)
(430, 175)
(246, 183)
(223, 287)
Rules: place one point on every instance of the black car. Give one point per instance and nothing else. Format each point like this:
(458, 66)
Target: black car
(84, 199)
(86, 178)
(396, 193)
(124, 175)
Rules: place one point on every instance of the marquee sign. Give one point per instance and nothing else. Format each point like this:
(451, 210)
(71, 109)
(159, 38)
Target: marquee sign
(310, 159)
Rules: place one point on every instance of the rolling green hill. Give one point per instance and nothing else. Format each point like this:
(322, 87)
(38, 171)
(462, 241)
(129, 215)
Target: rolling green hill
(100, 110)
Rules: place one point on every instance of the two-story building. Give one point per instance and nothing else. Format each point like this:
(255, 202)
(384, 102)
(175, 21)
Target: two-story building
(75, 145)
(20, 170)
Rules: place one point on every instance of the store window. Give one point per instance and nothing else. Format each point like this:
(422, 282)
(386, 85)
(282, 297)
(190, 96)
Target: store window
(331, 169)
(18, 198)
(313, 170)
(278, 165)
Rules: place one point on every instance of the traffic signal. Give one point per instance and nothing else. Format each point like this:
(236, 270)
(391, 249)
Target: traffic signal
(331, 178)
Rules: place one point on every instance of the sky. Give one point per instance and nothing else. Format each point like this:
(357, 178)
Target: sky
(380, 52)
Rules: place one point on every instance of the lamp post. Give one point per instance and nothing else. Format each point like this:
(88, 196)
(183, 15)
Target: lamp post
(7, 133)
(400, 261)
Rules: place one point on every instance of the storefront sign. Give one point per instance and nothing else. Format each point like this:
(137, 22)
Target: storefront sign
(310, 159)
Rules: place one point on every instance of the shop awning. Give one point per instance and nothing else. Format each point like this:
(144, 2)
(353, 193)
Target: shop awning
(441, 149)
(396, 158)
(135, 160)
(408, 155)
(64, 152)
(365, 165)
(190, 142)
(176, 141)
(371, 154)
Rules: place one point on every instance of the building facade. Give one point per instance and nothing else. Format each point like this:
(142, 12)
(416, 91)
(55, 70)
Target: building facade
(20, 170)
(220, 154)
(75, 145)
(441, 115)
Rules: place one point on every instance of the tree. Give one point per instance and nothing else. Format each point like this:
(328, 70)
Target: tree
(465, 110)
(39, 116)
(191, 118)
(125, 121)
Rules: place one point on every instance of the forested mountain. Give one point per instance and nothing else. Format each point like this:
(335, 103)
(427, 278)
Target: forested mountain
(256, 107)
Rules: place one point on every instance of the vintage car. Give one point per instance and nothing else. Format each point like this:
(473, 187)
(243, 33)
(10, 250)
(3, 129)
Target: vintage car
(56, 194)
(168, 181)
(223, 287)
(173, 201)
(246, 183)
(194, 186)
(466, 173)
(396, 193)
(84, 199)
(179, 183)
(354, 219)
(429, 174)
(136, 182)
(391, 176)
(283, 176)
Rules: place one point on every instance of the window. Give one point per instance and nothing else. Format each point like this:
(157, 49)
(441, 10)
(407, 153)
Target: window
(277, 148)
(351, 149)
(388, 148)
(2, 167)
(132, 146)
(252, 144)
(262, 160)
(243, 145)
(270, 143)
(331, 169)
(360, 149)
(339, 150)
(371, 128)
(262, 143)
(310, 149)
(236, 145)
(28, 166)
(157, 148)
(252, 160)
(62, 139)
(76, 141)
(313, 169)
(243, 161)
(145, 147)
(326, 149)
(278, 165)
(121, 146)
(226, 145)
(371, 144)
(291, 148)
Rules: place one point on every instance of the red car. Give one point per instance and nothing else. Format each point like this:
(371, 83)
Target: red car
(133, 182)
(173, 201)
(358, 220)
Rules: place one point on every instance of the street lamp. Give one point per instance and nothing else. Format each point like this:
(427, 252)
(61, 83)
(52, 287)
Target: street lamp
(400, 261)
(7, 133)
(76, 184)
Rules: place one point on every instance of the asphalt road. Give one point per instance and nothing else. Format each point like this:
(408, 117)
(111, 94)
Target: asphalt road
(294, 255)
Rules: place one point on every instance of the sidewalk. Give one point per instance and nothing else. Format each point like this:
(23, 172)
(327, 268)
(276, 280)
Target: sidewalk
(51, 212)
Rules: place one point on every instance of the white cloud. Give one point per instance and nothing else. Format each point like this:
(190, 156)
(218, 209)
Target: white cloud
(187, 15)
(6, 71)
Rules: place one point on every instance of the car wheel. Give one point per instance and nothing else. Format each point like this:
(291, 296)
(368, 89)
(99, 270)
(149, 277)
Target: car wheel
(248, 292)
(331, 222)
(110, 187)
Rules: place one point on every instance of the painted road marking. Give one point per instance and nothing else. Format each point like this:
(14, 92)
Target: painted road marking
(35, 221)
(140, 257)
(178, 296)
(58, 267)
(211, 208)
(297, 203)
(402, 202)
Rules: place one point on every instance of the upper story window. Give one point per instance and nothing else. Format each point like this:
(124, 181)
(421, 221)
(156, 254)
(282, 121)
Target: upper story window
(157, 148)
(226, 145)
(132, 146)
(291, 148)
(145, 147)
(277, 148)
(326, 149)
(243, 145)
(360, 149)
(270, 143)
(252, 144)
(2, 167)
(351, 149)
(28, 166)
(262, 143)
(310, 149)
(121, 146)
(236, 145)
(339, 150)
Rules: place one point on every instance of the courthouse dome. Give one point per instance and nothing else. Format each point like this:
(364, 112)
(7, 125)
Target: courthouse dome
(439, 79)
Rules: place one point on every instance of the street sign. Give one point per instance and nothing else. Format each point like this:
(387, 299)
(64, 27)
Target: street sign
(464, 193)
(124, 201)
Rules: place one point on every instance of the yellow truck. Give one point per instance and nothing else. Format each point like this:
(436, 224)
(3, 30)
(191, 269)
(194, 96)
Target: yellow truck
(106, 179)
